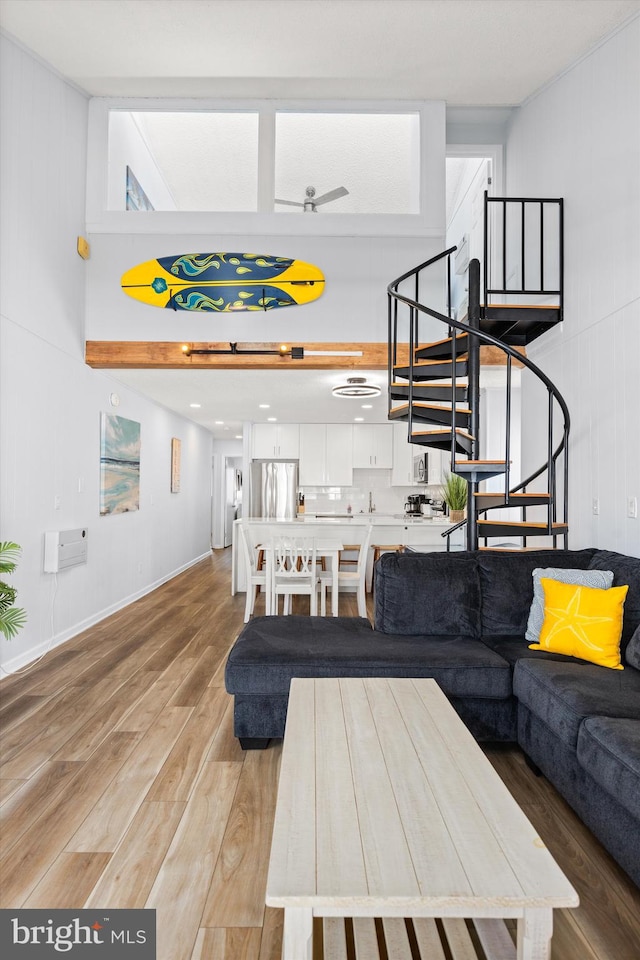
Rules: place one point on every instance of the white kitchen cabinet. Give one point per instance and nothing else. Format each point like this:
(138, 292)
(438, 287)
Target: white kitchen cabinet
(403, 454)
(373, 445)
(313, 454)
(326, 455)
(437, 463)
(339, 461)
(279, 440)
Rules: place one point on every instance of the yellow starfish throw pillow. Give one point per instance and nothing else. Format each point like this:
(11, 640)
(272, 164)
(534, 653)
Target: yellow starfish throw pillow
(583, 622)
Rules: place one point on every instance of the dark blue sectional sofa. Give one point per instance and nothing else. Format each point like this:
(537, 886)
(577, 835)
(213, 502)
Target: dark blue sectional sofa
(461, 619)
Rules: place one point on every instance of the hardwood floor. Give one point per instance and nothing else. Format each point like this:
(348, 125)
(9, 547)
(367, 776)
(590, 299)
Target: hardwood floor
(121, 785)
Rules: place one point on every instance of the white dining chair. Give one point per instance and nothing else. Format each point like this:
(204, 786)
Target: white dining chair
(349, 578)
(293, 571)
(256, 577)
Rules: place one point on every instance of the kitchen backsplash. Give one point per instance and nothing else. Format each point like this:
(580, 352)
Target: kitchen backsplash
(386, 499)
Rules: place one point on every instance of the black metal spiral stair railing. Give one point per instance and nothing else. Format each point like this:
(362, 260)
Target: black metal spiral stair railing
(438, 382)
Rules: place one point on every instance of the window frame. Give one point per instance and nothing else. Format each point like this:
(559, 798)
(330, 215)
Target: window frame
(429, 222)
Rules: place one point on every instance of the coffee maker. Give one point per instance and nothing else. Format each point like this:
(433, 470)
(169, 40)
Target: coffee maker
(413, 506)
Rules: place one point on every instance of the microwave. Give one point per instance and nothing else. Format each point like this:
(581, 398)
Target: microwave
(421, 468)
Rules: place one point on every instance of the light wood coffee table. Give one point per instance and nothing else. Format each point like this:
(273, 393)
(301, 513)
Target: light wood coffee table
(387, 808)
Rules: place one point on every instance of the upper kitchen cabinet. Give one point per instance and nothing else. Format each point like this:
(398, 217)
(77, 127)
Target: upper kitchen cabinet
(437, 465)
(403, 454)
(373, 445)
(279, 441)
(326, 455)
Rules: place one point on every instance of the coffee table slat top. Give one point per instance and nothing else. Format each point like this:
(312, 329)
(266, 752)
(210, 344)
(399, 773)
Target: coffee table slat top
(387, 806)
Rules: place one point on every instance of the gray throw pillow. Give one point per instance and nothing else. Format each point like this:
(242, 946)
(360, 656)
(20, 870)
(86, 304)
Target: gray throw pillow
(601, 579)
(632, 653)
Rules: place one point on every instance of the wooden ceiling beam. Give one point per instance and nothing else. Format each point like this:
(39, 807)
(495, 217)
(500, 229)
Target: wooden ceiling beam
(137, 354)
(166, 355)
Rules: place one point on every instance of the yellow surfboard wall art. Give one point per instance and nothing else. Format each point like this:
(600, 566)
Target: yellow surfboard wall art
(223, 282)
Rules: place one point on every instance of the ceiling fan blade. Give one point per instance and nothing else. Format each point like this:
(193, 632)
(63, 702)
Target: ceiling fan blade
(332, 195)
(290, 203)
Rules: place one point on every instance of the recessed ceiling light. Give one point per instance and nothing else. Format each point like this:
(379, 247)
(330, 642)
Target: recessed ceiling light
(219, 423)
(356, 387)
(367, 406)
(264, 406)
(238, 436)
(358, 419)
(195, 406)
(272, 419)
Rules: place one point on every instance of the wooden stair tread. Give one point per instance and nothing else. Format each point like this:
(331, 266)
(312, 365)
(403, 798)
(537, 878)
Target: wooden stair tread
(519, 306)
(445, 385)
(431, 406)
(433, 363)
(442, 432)
(439, 343)
(512, 496)
(521, 523)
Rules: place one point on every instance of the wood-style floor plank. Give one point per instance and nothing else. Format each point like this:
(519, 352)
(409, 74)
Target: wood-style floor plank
(132, 870)
(22, 868)
(24, 808)
(110, 817)
(238, 887)
(8, 788)
(236, 943)
(180, 770)
(180, 889)
(124, 736)
(66, 885)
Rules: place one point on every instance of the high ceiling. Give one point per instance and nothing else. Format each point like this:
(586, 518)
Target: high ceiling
(466, 52)
(472, 52)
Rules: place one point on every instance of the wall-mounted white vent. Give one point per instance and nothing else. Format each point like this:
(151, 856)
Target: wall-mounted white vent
(64, 549)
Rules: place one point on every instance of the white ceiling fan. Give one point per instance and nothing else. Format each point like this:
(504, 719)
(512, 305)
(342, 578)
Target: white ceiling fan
(311, 202)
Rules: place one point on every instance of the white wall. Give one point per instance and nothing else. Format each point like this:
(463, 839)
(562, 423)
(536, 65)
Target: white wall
(128, 148)
(353, 306)
(50, 401)
(580, 139)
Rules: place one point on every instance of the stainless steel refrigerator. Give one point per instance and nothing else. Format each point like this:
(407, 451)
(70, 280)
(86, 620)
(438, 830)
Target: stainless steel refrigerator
(274, 489)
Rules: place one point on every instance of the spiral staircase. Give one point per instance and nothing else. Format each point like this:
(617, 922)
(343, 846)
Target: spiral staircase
(435, 386)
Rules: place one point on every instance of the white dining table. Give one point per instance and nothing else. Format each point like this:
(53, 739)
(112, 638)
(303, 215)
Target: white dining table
(329, 549)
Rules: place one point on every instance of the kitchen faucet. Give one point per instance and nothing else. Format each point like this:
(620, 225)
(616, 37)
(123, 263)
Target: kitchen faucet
(372, 505)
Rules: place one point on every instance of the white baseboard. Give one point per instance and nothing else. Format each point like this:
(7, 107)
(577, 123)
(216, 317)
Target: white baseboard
(28, 656)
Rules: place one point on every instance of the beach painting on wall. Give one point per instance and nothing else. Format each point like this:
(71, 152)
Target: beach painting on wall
(119, 465)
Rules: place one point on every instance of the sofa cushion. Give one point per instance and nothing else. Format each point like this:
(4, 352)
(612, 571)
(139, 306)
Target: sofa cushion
(626, 570)
(562, 695)
(588, 578)
(427, 593)
(507, 585)
(632, 653)
(512, 649)
(272, 650)
(609, 750)
(583, 622)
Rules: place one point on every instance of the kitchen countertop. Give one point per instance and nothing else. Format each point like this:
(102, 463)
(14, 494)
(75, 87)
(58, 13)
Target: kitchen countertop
(377, 519)
(423, 533)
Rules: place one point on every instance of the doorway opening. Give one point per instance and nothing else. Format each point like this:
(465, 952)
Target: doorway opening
(469, 172)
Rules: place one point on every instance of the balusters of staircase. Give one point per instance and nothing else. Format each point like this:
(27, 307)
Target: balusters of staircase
(473, 375)
(507, 445)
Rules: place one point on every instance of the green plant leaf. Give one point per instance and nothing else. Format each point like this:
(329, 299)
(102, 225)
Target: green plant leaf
(9, 556)
(11, 621)
(12, 618)
(454, 491)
